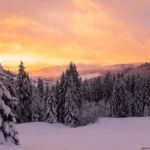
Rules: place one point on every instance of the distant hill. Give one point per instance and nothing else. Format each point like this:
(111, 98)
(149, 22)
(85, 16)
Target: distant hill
(5, 73)
(55, 72)
(85, 71)
(133, 69)
(89, 72)
(143, 70)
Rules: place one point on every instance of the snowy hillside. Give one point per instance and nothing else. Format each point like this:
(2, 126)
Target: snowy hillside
(106, 134)
(89, 76)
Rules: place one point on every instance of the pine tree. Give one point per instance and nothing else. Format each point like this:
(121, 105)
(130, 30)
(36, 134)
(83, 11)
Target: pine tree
(107, 87)
(24, 92)
(86, 91)
(146, 88)
(8, 131)
(40, 89)
(46, 91)
(138, 103)
(97, 91)
(61, 90)
(51, 108)
(120, 99)
(56, 90)
(73, 97)
(70, 97)
(35, 105)
(130, 86)
(71, 110)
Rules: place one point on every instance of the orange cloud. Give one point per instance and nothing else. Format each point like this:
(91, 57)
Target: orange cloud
(87, 31)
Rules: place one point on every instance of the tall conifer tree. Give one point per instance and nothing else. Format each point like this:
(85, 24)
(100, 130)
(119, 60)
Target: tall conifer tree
(24, 92)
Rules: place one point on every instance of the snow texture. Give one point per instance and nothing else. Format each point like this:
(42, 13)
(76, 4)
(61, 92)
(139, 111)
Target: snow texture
(8, 131)
(106, 134)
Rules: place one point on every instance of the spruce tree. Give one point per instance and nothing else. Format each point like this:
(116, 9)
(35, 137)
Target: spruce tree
(138, 102)
(97, 91)
(73, 97)
(24, 93)
(107, 87)
(61, 90)
(8, 131)
(120, 99)
(146, 92)
(70, 97)
(71, 111)
(86, 91)
(130, 86)
(56, 91)
(35, 105)
(51, 108)
(46, 91)
(40, 89)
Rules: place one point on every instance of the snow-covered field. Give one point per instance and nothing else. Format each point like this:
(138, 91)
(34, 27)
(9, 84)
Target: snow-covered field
(106, 134)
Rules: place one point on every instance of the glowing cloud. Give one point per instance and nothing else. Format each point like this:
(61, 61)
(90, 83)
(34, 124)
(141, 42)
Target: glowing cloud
(48, 32)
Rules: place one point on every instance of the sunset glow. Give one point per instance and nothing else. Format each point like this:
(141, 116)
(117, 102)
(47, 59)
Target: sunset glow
(53, 32)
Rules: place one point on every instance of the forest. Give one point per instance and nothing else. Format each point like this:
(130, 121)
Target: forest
(70, 100)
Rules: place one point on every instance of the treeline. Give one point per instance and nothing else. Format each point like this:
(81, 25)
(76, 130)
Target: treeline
(74, 102)
(59, 103)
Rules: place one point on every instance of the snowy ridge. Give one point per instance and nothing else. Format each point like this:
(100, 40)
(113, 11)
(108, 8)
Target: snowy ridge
(89, 76)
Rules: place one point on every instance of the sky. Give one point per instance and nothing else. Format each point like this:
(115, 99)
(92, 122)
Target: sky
(46, 33)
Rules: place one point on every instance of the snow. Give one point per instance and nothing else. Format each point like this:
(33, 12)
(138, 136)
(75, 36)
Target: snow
(91, 75)
(106, 134)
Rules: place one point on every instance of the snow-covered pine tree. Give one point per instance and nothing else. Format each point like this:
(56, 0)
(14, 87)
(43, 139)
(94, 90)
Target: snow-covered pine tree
(78, 82)
(130, 82)
(71, 110)
(61, 90)
(120, 99)
(138, 102)
(56, 90)
(8, 131)
(35, 105)
(46, 91)
(73, 97)
(130, 86)
(146, 93)
(40, 89)
(86, 90)
(51, 108)
(97, 91)
(107, 87)
(24, 93)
